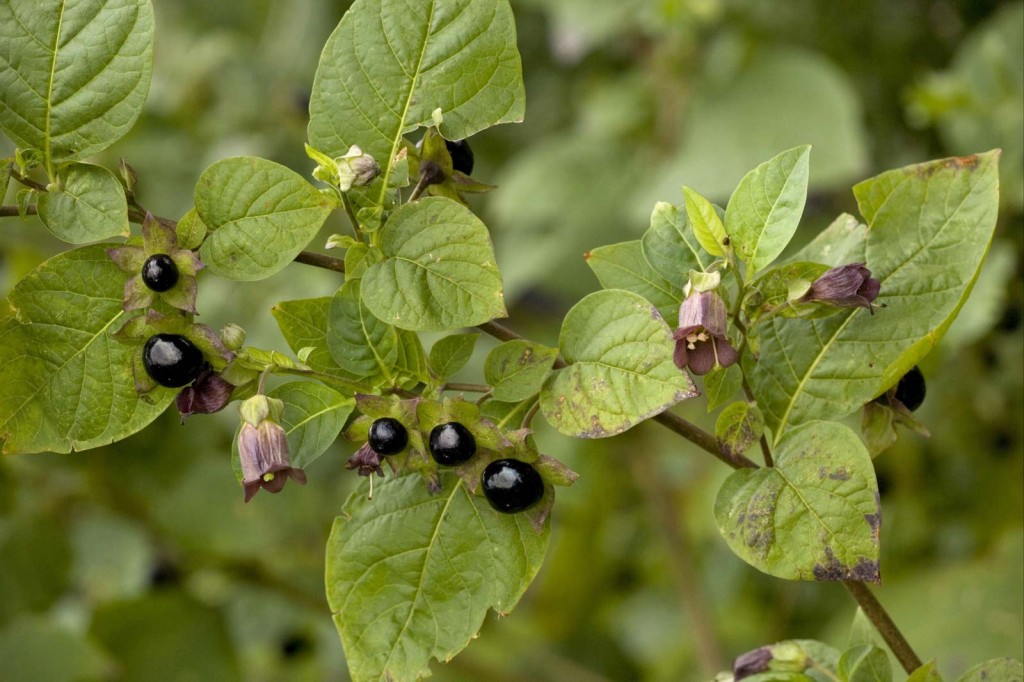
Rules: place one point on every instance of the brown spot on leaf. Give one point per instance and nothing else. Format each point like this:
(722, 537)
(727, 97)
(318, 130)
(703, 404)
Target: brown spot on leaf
(865, 570)
(956, 163)
(875, 521)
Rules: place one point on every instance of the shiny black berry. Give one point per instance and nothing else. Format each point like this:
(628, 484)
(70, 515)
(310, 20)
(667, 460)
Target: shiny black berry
(462, 155)
(512, 486)
(159, 272)
(172, 360)
(910, 391)
(451, 444)
(388, 436)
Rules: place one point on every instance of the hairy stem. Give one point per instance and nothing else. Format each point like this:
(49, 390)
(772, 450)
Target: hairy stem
(878, 616)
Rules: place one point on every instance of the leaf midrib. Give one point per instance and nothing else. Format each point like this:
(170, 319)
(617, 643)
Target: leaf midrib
(49, 93)
(414, 79)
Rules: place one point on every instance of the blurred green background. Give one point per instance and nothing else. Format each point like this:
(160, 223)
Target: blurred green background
(140, 562)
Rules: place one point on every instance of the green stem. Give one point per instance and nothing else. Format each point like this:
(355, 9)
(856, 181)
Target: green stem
(351, 213)
(468, 388)
(528, 417)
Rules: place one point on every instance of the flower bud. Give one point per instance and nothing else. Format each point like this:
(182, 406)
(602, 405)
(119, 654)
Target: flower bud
(208, 394)
(356, 169)
(846, 286)
(263, 448)
(232, 336)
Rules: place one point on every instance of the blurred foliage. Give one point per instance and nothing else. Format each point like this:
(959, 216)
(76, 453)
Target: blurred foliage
(140, 561)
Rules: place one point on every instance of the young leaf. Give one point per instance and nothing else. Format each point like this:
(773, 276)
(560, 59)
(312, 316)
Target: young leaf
(670, 247)
(303, 324)
(89, 205)
(67, 383)
(260, 215)
(707, 224)
(930, 226)
(358, 341)
(623, 266)
(73, 76)
(620, 371)
(815, 515)
(516, 369)
(721, 384)
(450, 354)
(313, 417)
(738, 427)
(411, 575)
(765, 209)
(456, 55)
(439, 271)
(866, 663)
(926, 673)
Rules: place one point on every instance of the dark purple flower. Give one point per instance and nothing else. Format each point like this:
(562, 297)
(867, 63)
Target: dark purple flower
(700, 339)
(208, 394)
(263, 448)
(846, 286)
(367, 460)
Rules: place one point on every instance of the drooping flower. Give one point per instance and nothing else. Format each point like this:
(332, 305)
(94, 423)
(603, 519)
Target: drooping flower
(700, 339)
(845, 286)
(366, 460)
(263, 448)
(161, 263)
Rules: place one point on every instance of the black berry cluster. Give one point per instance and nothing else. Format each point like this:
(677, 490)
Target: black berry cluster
(510, 485)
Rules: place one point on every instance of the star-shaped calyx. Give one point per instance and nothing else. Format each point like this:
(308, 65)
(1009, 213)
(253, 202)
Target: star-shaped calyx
(159, 268)
(443, 167)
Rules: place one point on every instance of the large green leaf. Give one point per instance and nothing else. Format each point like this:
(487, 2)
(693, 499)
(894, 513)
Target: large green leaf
(313, 417)
(390, 63)
(73, 75)
(865, 663)
(997, 669)
(303, 324)
(930, 226)
(765, 209)
(360, 342)
(815, 515)
(439, 271)
(623, 266)
(451, 353)
(620, 371)
(260, 215)
(89, 205)
(65, 383)
(411, 575)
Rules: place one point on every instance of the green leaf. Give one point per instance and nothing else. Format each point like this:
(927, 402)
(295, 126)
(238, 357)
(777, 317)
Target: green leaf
(738, 427)
(67, 383)
(439, 271)
(765, 209)
(517, 369)
(73, 76)
(926, 673)
(813, 516)
(866, 663)
(411, 575)
(358, 341)
(721, 384)
(303, 324)
(620, 371)
(930, 226)
(670, 246)
(623, 266)
(313, 417)
(1008, 669)
(451, 353)
(89, 205)
(706, 223)
(259, 214)
(388, 65)
(190, 230)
